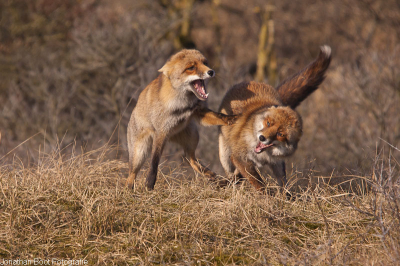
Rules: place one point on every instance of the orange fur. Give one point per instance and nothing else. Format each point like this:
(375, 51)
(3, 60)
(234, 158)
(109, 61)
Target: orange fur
(167, 109)
(267, 129)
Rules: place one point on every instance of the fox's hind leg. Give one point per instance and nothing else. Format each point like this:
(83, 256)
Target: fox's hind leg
(188, 138)
(139, 146)
(158, 147)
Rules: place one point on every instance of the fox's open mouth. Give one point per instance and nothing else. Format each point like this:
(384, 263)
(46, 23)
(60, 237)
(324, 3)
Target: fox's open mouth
(261, 147)
(199, 89)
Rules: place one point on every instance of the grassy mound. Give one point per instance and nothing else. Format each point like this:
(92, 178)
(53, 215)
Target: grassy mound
(77, 208)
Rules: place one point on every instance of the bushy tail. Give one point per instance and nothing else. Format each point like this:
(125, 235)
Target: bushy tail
(298, 87)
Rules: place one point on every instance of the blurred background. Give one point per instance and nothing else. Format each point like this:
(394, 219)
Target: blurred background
(71, 71)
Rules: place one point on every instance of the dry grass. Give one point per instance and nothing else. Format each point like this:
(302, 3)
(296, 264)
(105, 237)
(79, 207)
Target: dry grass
(73, 71)
(75, 207)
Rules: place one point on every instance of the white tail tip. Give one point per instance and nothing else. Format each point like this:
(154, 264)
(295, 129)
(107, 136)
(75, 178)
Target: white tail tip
(326, 50)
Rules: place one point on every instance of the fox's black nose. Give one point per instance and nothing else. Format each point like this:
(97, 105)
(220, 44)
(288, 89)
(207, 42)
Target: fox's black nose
(261, 138)
(211, 73)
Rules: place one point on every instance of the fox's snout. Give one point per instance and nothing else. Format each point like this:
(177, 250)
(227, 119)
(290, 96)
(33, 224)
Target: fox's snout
(198, 70)
(269, 137)
(211, 73)
(203, 72)
(264, 139)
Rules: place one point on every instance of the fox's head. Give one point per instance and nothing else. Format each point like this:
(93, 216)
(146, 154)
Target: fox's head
(187, 70)
(277, 131)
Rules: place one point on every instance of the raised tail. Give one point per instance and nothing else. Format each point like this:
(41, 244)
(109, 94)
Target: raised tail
(295, 89)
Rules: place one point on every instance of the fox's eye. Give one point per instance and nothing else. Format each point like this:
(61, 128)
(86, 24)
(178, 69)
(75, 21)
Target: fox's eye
(205, 63)
(268, 124)
(190, 68)
(279, 134)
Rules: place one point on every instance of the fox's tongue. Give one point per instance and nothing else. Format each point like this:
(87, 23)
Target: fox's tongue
(199, 87)
(260, 147)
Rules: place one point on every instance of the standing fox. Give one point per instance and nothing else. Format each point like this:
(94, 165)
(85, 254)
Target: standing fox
(268, 128)
(167, 109)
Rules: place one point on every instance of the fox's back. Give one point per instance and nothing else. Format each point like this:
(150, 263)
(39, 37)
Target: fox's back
(247, 96)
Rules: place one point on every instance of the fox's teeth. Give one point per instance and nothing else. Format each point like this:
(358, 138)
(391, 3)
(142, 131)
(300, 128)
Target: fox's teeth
(207, 95)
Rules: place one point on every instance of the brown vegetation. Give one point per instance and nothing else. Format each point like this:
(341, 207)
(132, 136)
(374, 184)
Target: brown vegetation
(74, 207)
(71, 71)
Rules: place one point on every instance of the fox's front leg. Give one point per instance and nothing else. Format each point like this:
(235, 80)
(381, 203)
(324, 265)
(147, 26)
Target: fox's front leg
(158, 146)
(248, 170)
(207, 117)
(279, 171)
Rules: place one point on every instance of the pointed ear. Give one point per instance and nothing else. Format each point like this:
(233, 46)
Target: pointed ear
(161, 70)
(165, 70)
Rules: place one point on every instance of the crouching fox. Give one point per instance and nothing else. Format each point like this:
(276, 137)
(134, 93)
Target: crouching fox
(268, 128)
(167, 110)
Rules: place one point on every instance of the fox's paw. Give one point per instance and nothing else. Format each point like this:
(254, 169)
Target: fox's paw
(217, 180)
(230, 119)
(211, 176)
